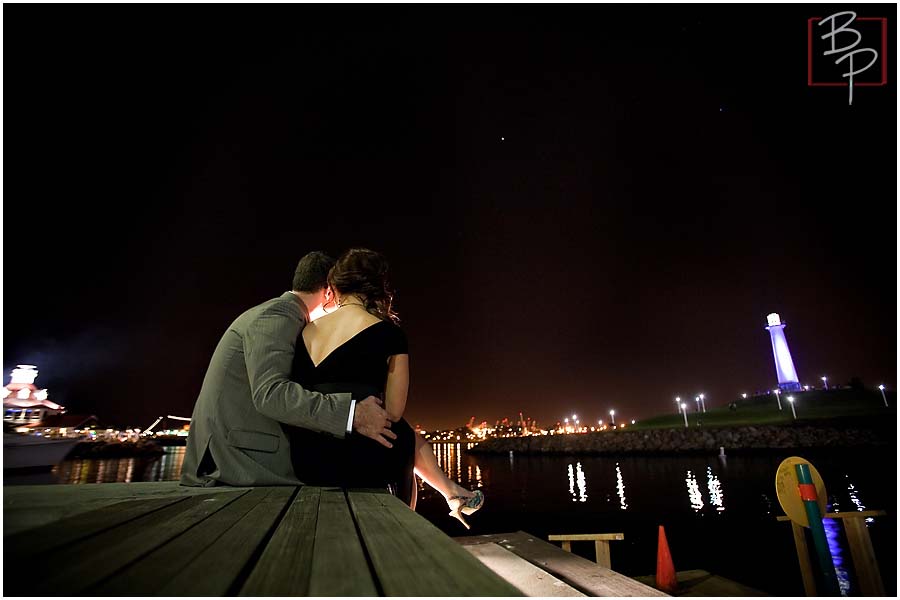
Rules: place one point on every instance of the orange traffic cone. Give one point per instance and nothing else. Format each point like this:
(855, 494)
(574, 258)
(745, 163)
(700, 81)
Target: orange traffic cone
(665, 569)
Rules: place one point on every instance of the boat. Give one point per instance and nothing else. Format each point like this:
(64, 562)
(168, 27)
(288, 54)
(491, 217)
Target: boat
(23, 451)
(26, 407)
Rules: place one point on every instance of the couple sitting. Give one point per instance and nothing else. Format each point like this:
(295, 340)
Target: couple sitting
(311, 387)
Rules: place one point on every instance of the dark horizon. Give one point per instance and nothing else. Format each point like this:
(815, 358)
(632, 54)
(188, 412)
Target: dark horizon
(585, 207)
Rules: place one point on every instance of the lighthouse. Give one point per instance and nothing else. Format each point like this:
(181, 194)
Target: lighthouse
(784, 364)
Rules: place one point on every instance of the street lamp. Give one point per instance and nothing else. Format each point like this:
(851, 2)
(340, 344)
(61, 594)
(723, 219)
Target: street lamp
(678, 402)
(825, 381)
(777, 393)
(684, 413)
(697, 400)
(612, 416)
(806, 387)
(883, 397)
(744, 396)
(703, 402)
(791, 400)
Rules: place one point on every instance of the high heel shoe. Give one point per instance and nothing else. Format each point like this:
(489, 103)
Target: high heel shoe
(466, 505)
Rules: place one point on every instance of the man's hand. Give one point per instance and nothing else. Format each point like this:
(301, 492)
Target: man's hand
(371, 420)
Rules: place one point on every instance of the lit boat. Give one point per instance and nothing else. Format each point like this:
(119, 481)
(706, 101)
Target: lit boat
(24, 407)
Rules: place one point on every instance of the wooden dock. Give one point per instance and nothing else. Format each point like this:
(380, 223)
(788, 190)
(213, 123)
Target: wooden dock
(156, 539)
(538, 568)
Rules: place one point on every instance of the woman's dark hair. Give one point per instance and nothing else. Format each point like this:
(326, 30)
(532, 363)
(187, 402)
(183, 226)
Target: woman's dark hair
(364, 273)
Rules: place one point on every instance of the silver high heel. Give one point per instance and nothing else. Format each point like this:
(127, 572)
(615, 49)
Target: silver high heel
(467, 506)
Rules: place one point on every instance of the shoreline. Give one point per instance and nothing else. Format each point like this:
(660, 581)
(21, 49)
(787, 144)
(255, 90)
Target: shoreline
(742, 439)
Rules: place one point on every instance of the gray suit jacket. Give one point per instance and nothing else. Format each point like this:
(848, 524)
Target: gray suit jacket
(236, 436)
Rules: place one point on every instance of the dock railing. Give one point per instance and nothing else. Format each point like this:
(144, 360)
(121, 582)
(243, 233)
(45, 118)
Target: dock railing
(601, 544)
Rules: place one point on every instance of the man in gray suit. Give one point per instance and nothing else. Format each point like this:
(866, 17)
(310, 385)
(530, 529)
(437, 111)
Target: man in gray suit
(236, 437)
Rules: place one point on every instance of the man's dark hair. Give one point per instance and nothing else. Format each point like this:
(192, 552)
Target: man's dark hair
(311, 274)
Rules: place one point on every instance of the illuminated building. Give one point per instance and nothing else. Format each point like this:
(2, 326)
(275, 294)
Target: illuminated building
(784, 364)
(23, 402)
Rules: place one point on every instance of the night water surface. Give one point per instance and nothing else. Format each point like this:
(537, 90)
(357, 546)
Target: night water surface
(719, 514)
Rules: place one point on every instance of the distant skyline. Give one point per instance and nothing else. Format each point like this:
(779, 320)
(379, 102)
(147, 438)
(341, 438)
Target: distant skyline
(585, 207)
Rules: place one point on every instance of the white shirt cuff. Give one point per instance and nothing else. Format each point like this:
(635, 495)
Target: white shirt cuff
(350, 416)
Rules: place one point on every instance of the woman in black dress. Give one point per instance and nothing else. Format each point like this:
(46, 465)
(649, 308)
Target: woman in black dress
(358, 347)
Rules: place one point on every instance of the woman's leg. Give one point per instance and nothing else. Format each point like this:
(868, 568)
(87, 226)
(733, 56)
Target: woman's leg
(428, 469)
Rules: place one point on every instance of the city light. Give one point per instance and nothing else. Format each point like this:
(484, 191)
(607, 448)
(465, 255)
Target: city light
(777, 393)
(684, 413)
(791, 400)
(678, 403)
(744, 396)
(612, 418)
(825, 381)
(883, 397)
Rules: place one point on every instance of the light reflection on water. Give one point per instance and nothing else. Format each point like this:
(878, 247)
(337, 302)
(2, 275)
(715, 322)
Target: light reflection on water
(832, 536)
(694, 495)
(167, 467)
(716, 497)
(620, 488)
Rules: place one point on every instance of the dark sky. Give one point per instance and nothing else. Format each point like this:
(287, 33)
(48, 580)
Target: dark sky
(585, 207)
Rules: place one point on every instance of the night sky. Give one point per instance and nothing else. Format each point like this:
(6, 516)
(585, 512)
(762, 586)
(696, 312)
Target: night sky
(584, 207)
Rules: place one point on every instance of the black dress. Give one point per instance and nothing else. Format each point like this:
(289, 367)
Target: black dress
(358, 366)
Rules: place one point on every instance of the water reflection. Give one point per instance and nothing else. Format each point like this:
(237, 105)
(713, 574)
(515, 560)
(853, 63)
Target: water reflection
(832, 535)
(853, 492)
(620, 488)
(716, 497)
(694, 495)
(167, 467)
(581, 482)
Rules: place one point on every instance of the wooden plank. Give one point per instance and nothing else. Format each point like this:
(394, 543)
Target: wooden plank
(30, 506)
(527, 578)
(183, 566)
(582, 574)
(40, 540)
(283, 568)
(863, 554)
(339, 565)
(843, 515)
(586, 537)
(411, 557)
(806, 572)
(81, 565)
(232, 553)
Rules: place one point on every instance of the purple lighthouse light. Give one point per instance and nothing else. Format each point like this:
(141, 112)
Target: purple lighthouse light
(784, 364)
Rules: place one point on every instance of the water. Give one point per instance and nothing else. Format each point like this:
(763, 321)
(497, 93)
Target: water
(719, 515)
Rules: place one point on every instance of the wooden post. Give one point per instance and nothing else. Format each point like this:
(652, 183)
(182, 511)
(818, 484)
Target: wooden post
(601, 548)
(601, 544)
(809, 582)
(863, 554)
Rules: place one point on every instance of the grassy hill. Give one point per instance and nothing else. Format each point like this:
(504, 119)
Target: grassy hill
(814, 405)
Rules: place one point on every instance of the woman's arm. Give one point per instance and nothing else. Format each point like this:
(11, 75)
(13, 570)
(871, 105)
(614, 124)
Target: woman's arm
(397, 386)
